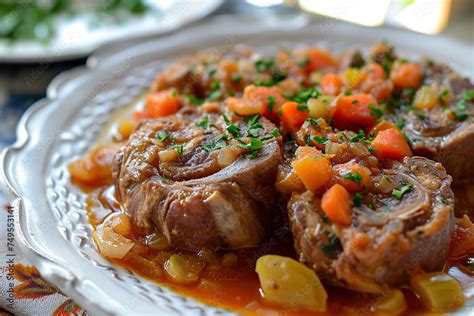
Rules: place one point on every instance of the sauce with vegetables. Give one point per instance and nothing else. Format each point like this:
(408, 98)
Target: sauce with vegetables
(246, 178)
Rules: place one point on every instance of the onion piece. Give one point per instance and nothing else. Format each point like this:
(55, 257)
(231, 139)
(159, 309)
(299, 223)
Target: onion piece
(110, 243)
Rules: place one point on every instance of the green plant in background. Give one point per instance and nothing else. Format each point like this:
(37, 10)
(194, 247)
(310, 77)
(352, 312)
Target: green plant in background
(35, 20)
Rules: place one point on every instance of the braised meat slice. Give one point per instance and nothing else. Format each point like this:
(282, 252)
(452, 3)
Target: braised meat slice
(388, 236)
(439, 125)
(201, 180)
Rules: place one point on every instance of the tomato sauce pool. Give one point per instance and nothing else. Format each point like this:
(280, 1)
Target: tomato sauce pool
(236, 286)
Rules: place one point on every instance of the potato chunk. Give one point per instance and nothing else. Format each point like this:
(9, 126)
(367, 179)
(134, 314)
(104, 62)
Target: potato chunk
(285, 281)
(438, 291)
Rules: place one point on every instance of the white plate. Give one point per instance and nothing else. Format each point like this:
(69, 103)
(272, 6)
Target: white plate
(51, 223)
(79, 35)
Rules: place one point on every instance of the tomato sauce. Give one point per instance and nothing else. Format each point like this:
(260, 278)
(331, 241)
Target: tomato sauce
(237, 287)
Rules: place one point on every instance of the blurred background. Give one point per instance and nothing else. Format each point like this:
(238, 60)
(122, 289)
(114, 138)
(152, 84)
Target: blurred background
(40, 39)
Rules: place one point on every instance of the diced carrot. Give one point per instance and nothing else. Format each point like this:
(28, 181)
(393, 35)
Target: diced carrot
(245, 106)
(406, 75)
(314, 171)
(336, 204)
(331, 84)
(303, 151)
(381, 126)
(354, 111)
(270, 97)
(293, 116)
(140, 115)
(319, 59)
(352, 176)
(162, 103)
(374, 71)
(95, 169)
(391, 144)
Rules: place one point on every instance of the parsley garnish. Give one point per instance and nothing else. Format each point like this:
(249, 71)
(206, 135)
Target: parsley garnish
(195, 100)
(163, 135)
(254, 144)
(234, 130)
(236, 78)
(179, 149)
(303, 95)
(302, 107)
(275, 133)
(271, 103)
(320, 139)
(354, 177)
(333, 243)
(375, 111)
(262, 65)
(400, 123)
(204, 122)
(442, 94)
(398, 193)
(358, 198)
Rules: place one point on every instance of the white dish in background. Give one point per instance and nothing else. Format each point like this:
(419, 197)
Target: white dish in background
(77, 36)
(52, 228)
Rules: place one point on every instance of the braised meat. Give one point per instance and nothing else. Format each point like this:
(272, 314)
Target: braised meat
(445, 132)
(191, 178)
(367, 221)
(384, 245)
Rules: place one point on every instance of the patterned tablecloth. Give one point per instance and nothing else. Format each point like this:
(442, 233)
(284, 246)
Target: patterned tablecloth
(23, 291)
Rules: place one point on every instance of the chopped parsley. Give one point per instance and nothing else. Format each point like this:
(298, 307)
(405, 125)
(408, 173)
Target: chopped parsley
(399, 193)
(262, 65)
(400, 123)
(236, 78)
(347, 92)
(271, 103)
(254, 144)
(333, 243)
(234, 130)
(358, 198)
(163, 135)
(375, 111)
(195, 100)
(204, 122)
(179, 149)
(441, 95)
(460, 116)
(325, 218)
(275, 133)
(302, 107)
(354, 177)
(320, 140)
(303, 95)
